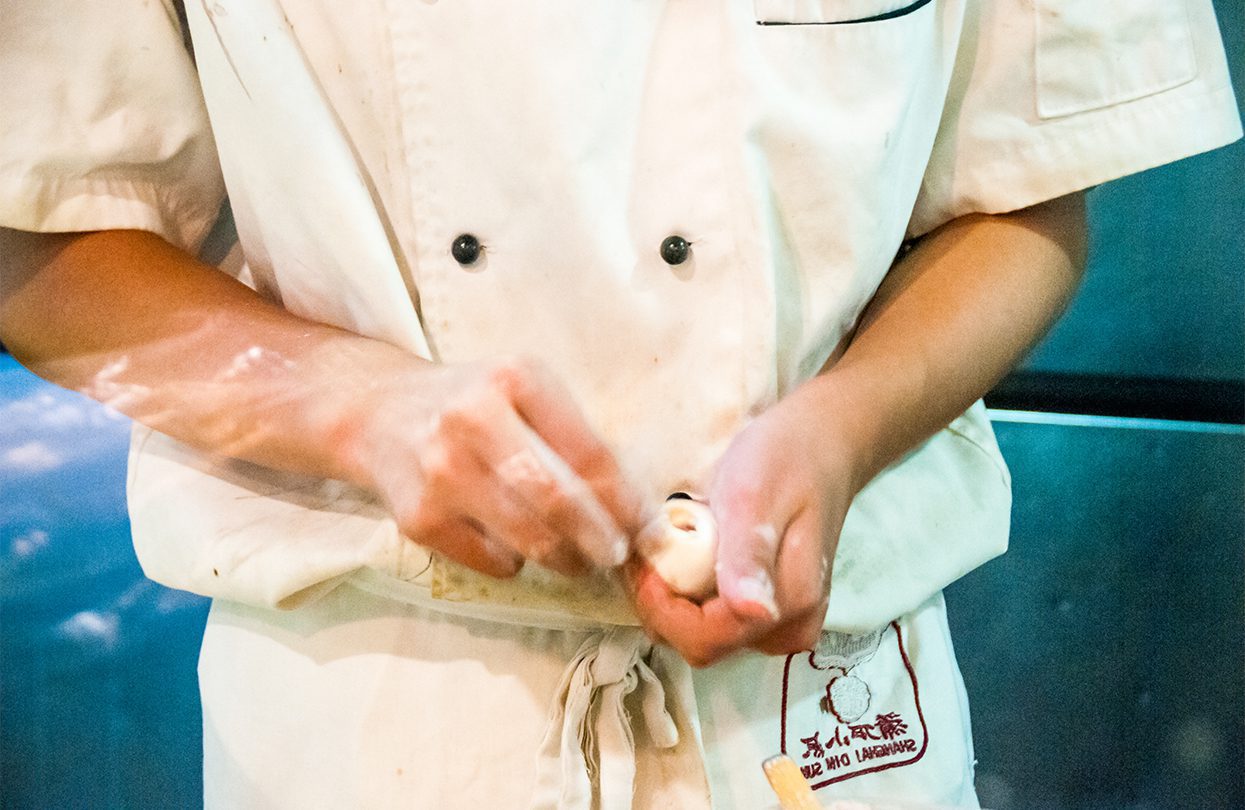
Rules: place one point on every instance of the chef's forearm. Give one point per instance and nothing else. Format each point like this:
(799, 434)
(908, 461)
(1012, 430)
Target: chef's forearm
(951, 318)
(132, 321)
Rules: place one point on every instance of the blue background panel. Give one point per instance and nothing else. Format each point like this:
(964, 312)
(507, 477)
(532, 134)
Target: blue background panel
(1103, 654)
(1163, 292)
(99, 704)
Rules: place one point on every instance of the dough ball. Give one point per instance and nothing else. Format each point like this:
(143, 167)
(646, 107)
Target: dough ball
(681, 545)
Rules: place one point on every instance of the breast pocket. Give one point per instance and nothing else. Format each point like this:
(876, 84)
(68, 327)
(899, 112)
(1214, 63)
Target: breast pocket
(832, 12)
(1095, 53)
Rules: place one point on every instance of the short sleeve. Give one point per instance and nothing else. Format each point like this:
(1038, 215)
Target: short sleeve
(1049, 97)
(104, 124)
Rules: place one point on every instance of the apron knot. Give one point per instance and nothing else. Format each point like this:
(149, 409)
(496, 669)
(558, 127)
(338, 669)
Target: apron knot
(589, 741)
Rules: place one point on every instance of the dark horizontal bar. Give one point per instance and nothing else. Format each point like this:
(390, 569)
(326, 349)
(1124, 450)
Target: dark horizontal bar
(1184, 400)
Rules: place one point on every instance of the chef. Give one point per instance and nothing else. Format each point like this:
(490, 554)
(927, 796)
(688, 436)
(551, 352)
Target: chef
(510, 275)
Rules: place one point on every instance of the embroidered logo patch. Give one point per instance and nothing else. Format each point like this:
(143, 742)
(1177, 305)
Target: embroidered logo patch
(852, 707)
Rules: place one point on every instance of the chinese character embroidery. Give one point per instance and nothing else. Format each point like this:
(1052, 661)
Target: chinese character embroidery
(890, 725)
(814, 747)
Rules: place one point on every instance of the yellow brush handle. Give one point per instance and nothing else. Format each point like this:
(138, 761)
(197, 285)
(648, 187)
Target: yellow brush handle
(785, 778)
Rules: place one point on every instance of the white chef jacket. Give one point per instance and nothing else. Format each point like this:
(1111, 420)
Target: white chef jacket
(793, 143)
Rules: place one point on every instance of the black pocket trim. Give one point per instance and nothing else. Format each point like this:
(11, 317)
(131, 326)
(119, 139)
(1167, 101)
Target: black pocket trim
(890, 15)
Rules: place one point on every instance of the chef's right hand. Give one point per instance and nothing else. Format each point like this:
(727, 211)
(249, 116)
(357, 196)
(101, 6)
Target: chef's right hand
(492, 464)
(489, 464)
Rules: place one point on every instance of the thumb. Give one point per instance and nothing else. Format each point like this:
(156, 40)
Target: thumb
(747, 559)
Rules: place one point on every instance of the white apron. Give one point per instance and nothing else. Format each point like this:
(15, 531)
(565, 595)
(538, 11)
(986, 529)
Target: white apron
(363, 700)
(793, 144)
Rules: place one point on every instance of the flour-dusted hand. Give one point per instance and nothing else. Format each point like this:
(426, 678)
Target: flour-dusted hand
(488, 463)
(951, 317)
(779, 495)
(491, 464)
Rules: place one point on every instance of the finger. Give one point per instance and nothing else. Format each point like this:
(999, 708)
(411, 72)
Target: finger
(554, 495)
(510, 518)
(802, 578)
(549, 408)
(802, 587)
(466, 543)
(457, 484)
(423, 508)
(703, 634)
(748, 544)
(793, 636)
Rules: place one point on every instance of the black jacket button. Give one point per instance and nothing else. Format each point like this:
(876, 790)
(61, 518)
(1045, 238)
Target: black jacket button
(674, 250)
(466, 249)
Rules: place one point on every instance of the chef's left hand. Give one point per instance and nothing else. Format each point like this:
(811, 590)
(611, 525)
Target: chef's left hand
(779, 495)
(952, 316)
